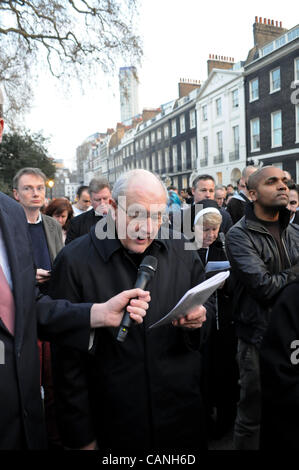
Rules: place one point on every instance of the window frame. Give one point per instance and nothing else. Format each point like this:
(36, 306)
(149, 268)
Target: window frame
(257, 149)
(297, 122)
(255, 98)
(274, 90)
(182, 120)
(173, 126)
(296, 69)
(235, 103)
(204, 111)
(274, 130)
(218, 108)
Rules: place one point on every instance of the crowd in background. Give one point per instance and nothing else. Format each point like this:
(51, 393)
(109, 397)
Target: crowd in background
(250, 229)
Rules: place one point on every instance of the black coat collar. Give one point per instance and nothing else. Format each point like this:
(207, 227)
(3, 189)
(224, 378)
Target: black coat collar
(284, 216)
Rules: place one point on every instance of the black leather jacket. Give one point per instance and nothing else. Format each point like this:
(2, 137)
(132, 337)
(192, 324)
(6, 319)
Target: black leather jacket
(257, 271)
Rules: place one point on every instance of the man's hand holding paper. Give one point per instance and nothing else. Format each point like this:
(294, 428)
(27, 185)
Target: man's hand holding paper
(194, 318)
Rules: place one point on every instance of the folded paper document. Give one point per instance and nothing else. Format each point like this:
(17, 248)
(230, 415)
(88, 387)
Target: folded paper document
(198, 295)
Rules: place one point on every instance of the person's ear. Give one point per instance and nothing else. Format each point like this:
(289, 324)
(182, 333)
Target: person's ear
(1, 128)
(15, 194)
(252, 194)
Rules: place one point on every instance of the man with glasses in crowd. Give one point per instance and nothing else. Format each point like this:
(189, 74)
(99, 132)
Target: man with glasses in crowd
(126, 396)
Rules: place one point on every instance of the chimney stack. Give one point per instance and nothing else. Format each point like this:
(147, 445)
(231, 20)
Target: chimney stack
(186, 85)
(219, 62)
(266, 30)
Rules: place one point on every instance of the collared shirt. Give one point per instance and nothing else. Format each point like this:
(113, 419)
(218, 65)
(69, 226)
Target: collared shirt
(38, 220)
(4, 261)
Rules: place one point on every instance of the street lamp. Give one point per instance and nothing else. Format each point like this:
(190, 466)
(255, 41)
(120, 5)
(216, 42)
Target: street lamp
(50, 184)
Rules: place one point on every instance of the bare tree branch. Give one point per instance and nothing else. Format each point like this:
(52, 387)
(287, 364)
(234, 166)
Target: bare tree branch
(73, 38)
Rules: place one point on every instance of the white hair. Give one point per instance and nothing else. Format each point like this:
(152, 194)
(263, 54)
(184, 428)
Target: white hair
(122, 183)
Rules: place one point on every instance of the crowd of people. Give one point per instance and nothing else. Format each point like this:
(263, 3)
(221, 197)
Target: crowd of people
(67, 275)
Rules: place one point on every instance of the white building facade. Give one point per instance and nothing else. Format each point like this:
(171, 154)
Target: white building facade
(221, 138)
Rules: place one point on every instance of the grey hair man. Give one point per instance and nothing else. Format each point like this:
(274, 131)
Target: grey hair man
(100, 197)
(126, 395)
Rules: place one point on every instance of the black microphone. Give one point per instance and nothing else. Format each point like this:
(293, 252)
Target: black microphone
(146, 271)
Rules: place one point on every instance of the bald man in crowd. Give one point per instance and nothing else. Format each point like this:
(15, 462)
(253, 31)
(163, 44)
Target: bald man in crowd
(263, 249)
(144, 392)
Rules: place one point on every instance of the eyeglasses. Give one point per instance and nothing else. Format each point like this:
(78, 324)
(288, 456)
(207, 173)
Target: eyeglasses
(137, 212)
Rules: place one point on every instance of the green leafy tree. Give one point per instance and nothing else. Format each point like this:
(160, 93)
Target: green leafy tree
(22, 150)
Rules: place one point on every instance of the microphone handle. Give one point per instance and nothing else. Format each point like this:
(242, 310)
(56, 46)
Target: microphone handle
(142, 280)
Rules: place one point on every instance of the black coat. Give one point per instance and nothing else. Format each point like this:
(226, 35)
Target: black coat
(256, 267)
(81, 224)
(144, 392)
(220, 366)
(236, 207)
(279, 361)
(21, 406)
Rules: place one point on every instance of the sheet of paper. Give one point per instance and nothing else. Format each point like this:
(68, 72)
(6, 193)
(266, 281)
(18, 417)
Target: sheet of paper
(198, 295)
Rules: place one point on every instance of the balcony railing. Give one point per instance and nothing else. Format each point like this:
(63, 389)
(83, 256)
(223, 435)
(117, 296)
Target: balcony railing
(233, 156)
(203, 162)
(218, 158)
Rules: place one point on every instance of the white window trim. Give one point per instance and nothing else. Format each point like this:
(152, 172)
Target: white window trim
(251, 100)
(204, 115)
(182, 119)
(192, 119)
(218, 100)
(297, 122)
(296, 79)
(251, 141)
(275, 90)
(272, 129)
(232, 95)
(173, 124)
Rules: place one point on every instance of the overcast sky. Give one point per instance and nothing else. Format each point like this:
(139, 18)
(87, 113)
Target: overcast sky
(178, 36)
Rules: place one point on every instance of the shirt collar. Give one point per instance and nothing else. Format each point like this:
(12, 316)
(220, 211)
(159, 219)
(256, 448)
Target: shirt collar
(38, 220)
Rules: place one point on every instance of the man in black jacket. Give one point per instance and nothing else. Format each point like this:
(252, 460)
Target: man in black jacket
(100, 195)
(144, 392)
(263, 249)
(23, 313)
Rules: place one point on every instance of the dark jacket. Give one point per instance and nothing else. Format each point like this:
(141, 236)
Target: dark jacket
(279, 361)
(236, 206)
(81, 225)
(254, 257)
(143, 392)
(21, 413)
